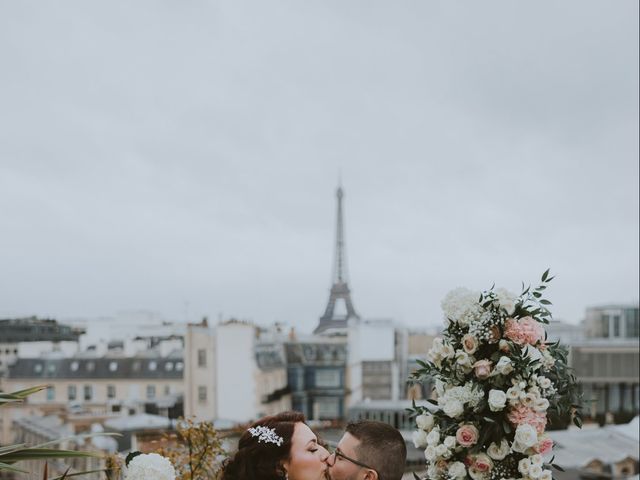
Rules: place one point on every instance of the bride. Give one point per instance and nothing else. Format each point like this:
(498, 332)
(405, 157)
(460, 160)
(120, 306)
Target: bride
(278, 447)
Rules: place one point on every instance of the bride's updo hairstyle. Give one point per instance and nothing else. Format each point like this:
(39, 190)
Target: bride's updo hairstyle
(262, 449)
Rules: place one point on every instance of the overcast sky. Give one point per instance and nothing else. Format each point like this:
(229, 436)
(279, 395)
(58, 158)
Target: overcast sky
(182, 157)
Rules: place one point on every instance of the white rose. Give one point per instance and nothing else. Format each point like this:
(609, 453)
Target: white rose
(439, 387)
(513, 394)
(450, 442)
(464, 361)
(433, 438)
(419, 438)
(529, 399)
(544, 382)
(469, 344)
(535, 471)
(477, 475)
(457, 470)
(453, 408)
(525, 437)
(541, 405)
(499, 452)
(507, 300)
(425, 422)
(432, 471)
(430, 453)
(504, 366)
(443, 451)
(497, 400)
(523, 466)
(546, 475)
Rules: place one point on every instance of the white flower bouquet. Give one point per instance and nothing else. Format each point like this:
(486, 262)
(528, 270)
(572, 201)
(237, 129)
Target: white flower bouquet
(145, 466)
(498, 384)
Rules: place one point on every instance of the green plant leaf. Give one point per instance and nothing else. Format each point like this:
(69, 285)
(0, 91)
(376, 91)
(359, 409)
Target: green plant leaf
(10, 468)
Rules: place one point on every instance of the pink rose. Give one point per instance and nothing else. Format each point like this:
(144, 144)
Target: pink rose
(482, 463)
(544, 446)
(469, 344)
(482, 369)
(467, 435)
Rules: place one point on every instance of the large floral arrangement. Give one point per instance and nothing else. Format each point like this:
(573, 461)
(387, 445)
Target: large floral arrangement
(146, 466)
(498, 384)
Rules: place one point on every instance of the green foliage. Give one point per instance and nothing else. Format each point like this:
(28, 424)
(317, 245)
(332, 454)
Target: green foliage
(11, 454)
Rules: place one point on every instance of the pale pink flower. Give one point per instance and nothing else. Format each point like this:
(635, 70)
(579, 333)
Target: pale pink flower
(467, 435)
(482, 369)
(544, 446)
(482, 463)
(521, 415)
(524, 331)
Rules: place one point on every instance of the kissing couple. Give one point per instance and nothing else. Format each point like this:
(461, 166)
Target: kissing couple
(283, 447)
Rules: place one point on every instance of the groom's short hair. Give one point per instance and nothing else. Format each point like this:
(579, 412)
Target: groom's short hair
(381, 447)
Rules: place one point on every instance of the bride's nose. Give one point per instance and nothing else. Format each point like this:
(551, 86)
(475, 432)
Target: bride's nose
(330, 459)
(324, 454)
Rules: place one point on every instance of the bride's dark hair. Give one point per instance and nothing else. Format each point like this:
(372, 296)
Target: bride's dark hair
(262, 460)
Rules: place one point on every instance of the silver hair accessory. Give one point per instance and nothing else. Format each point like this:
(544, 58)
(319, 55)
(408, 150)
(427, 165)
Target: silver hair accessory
(266, 435)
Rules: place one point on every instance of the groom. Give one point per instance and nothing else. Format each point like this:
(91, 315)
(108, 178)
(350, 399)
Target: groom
(368, 450)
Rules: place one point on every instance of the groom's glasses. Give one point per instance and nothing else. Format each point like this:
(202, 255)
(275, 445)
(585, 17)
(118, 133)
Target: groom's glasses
(338, 453)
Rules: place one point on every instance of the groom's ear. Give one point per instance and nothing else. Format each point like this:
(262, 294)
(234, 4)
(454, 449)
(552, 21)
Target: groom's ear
(370, 475)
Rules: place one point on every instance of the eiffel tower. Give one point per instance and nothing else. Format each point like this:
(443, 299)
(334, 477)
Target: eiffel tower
(332, 319)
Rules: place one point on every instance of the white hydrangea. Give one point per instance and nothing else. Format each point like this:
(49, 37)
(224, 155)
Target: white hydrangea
(150, 465)
(461, 306)
(506, 300)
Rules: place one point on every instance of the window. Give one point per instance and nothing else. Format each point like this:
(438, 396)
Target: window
(168, 366)
(616, 325)
(74, 366)
(91, 366)
(633, 325)
(88, 392)
(202, 394)
(51, 368)
(37, 368)
(328, 378)
(202, 357)
(167, 390)
(153, 365)
(71, 392)
(327, 407)
(179, 366)
(51, 394)
(113, 366)
(151, 391)
(111, 391)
